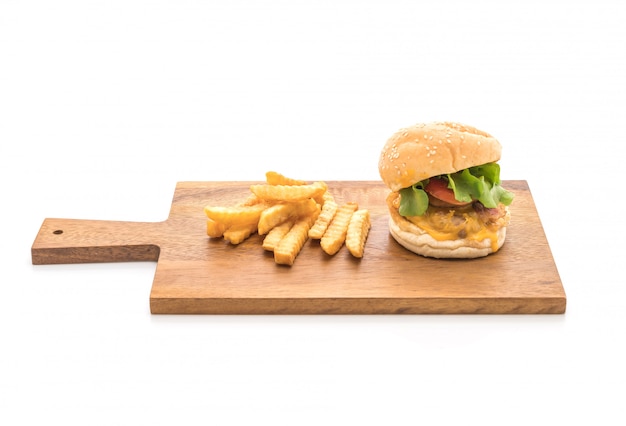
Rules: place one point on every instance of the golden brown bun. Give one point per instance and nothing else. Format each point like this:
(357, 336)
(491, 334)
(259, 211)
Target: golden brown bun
(425, 150)
(416, 240)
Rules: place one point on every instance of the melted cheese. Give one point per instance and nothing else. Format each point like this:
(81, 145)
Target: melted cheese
(452, 224)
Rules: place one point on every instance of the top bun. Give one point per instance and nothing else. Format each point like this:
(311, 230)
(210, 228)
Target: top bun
(424, 150)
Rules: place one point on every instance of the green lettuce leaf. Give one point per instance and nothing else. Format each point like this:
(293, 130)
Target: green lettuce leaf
(414, 200)
(479, 183)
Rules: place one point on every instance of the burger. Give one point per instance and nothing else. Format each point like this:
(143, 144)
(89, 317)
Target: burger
(446, 199)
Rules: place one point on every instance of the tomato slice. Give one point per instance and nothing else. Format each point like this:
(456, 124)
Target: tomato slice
(438, 188)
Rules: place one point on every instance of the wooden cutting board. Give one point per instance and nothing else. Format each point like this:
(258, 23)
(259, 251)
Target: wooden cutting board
(199, 275)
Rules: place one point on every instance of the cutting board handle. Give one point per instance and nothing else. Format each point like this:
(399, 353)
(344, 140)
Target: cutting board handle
(92, 241)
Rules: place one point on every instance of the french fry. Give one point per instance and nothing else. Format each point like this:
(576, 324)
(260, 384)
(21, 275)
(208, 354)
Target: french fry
(327, 196)
(237, 215)
(251, 200)
(289, 212)
(274, 236)
(288, 192)
(335, 235)
(358, 229)
(275, 178)
(278, 213)
(289, 247)
(214, 229)
(324, 197)
(329, 209)
(273, 216)
(238, 234)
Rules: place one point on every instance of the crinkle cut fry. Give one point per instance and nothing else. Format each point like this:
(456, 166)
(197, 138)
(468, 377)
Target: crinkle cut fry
(279, 213)
(335, 235)
(214, 229)
(289, 247)
(238, 234)
(288, 192)
(329, 209)
(275, 178)
(237, 215)
(277, 233)
(358, 229)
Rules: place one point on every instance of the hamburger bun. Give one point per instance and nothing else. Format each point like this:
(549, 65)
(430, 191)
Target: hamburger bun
(425, 245)
(424, 151)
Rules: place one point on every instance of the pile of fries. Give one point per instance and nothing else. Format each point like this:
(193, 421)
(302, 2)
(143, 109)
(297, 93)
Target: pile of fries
(288, 212)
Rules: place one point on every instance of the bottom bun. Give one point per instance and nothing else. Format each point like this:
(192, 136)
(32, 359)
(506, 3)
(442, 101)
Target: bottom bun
(414, 239)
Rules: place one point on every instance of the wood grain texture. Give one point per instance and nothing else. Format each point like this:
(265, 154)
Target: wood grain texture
(199, 275)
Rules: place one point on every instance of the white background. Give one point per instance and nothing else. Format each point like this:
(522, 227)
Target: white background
(105, 105)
